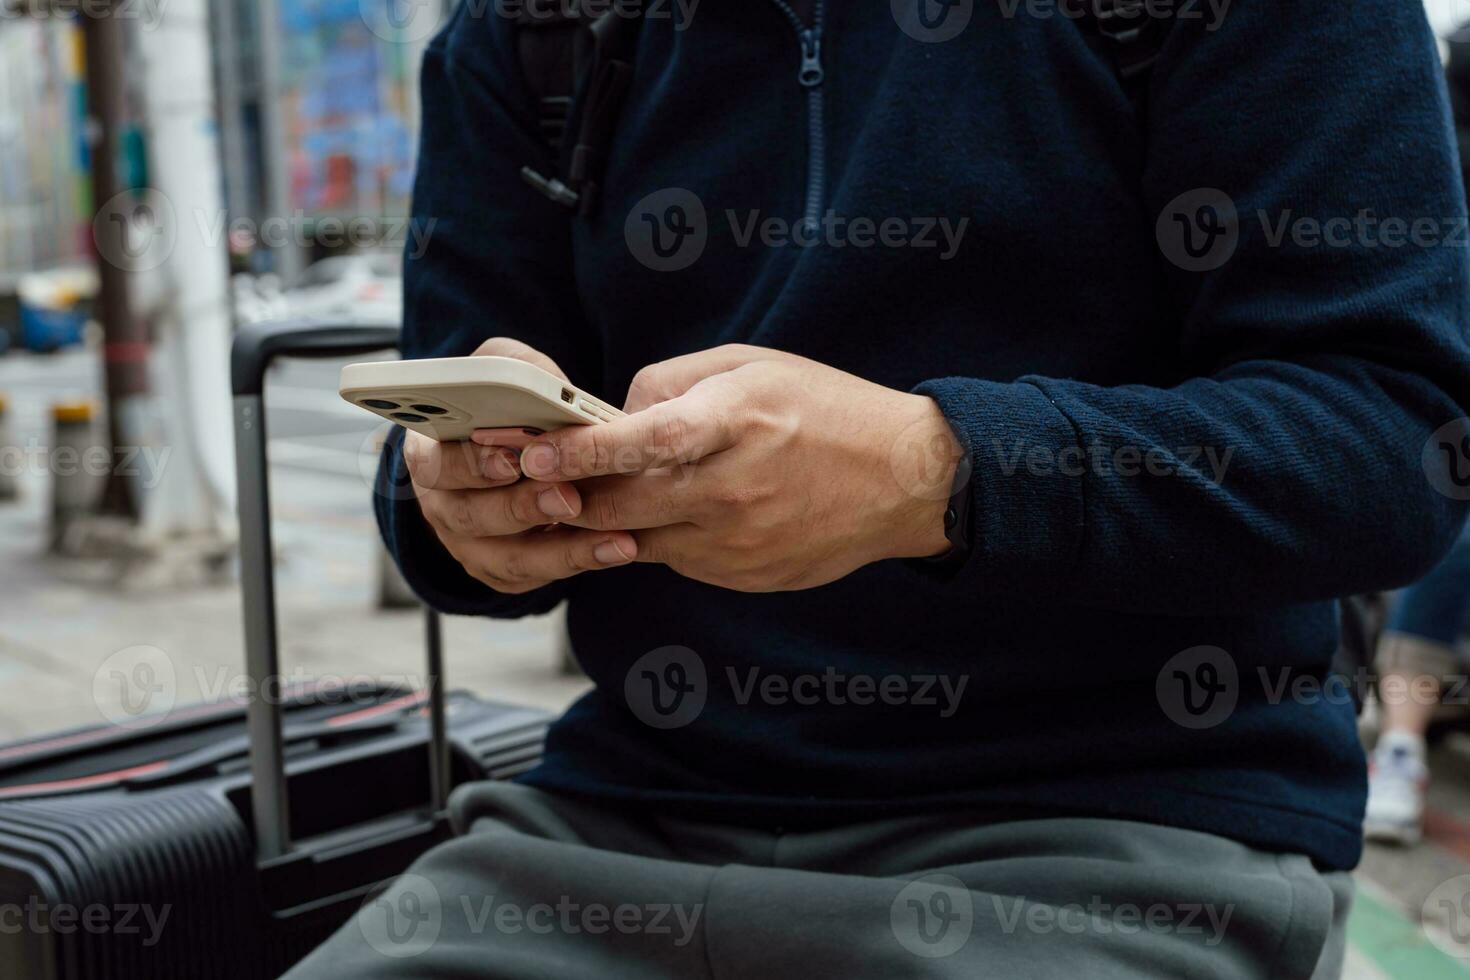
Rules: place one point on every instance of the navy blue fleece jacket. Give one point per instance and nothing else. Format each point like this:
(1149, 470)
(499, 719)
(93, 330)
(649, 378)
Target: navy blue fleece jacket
(1176, 443)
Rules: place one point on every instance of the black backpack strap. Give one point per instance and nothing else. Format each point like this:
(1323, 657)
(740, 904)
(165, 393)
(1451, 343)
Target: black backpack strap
(547, 36)
(566, 46)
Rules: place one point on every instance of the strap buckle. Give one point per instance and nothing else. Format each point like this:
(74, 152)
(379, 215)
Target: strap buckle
(1127, 23)
(551, 188)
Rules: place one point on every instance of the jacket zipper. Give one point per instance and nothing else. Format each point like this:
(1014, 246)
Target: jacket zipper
(811, 76)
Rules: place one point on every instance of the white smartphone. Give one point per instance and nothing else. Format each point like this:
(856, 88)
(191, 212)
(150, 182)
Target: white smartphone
(447, 398)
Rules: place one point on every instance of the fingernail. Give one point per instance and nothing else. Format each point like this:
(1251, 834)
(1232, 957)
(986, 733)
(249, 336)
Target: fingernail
(539, 461)
(500, 466)
(608, 553)
(553, 504)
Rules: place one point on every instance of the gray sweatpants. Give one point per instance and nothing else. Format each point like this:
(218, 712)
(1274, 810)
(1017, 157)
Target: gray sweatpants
(541, 885)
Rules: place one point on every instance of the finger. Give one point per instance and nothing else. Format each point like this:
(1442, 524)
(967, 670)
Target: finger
(627, 503)
(669, 379)
(529, 561)
(516, 439)
(499, 512)
(666, 545)
(458, 465)
(510, 347)
(682, 430)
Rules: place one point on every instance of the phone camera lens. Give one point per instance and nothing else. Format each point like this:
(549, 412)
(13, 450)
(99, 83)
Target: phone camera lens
(380, 403)
(429, 409)
(409, 417)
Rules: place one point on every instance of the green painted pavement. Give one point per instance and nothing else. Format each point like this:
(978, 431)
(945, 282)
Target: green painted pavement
(1396, 945)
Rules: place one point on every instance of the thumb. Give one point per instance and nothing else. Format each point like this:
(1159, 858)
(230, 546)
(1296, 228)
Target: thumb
(669, 379)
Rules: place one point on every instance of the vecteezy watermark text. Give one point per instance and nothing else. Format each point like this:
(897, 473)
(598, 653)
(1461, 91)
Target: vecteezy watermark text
(414, 21)
(1200, 688)
(137, 687)
(569, 917)
(139, 230)
(1211, 13)
(668, 688)
(407, 918)
(1100, 917)
(668, 231)
(36, 917)
(146, 464)
(833, 230)
(679, 11)
(300, 230)
(837, 688)
(1201, 229)
(936, 21)
(148, 12)
(1126, 461)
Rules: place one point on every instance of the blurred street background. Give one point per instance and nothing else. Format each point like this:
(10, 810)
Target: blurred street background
(62, 617)
(261, 157)
(263, 163)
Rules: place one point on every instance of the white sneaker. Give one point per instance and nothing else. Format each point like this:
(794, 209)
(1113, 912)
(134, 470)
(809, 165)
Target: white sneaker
(1397, 782)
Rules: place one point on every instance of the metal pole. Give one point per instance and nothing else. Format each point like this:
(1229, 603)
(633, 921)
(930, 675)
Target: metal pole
(125, 345)
(274, 142)
(226, 40)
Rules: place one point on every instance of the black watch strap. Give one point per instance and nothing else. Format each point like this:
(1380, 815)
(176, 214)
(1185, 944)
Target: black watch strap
(957, 518)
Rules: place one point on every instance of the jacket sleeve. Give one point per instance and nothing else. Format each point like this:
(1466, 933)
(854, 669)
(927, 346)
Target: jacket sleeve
(1289, 463)
(488, 257)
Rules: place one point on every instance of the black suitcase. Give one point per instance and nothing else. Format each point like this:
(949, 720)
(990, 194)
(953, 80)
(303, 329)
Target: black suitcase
(230, 839)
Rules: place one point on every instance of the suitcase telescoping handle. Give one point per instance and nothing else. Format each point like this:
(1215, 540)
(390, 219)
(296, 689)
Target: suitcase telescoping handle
(255, 348)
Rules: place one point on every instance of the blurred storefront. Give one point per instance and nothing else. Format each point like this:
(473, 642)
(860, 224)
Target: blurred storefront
(43, 157)
(319, 115)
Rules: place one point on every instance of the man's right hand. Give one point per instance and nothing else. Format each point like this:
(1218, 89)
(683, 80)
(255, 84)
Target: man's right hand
(502, 529)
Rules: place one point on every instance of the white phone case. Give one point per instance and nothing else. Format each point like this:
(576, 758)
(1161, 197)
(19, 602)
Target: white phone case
(448, 398)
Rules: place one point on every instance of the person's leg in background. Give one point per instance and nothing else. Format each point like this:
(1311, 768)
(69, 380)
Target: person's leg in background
(1416, 653)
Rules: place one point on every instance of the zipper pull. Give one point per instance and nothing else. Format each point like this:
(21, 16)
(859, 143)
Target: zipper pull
(811, 73)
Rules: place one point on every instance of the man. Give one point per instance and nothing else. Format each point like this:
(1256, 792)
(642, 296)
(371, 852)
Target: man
(953, 611)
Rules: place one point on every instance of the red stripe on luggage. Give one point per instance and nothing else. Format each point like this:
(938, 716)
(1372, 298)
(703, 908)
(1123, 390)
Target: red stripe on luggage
(406, 701)
(83, 782)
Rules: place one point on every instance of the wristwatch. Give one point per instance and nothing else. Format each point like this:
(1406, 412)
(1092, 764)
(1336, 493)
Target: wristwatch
(957, 519)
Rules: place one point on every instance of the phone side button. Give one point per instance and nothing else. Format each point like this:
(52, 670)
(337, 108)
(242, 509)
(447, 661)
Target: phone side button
(590, 409)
